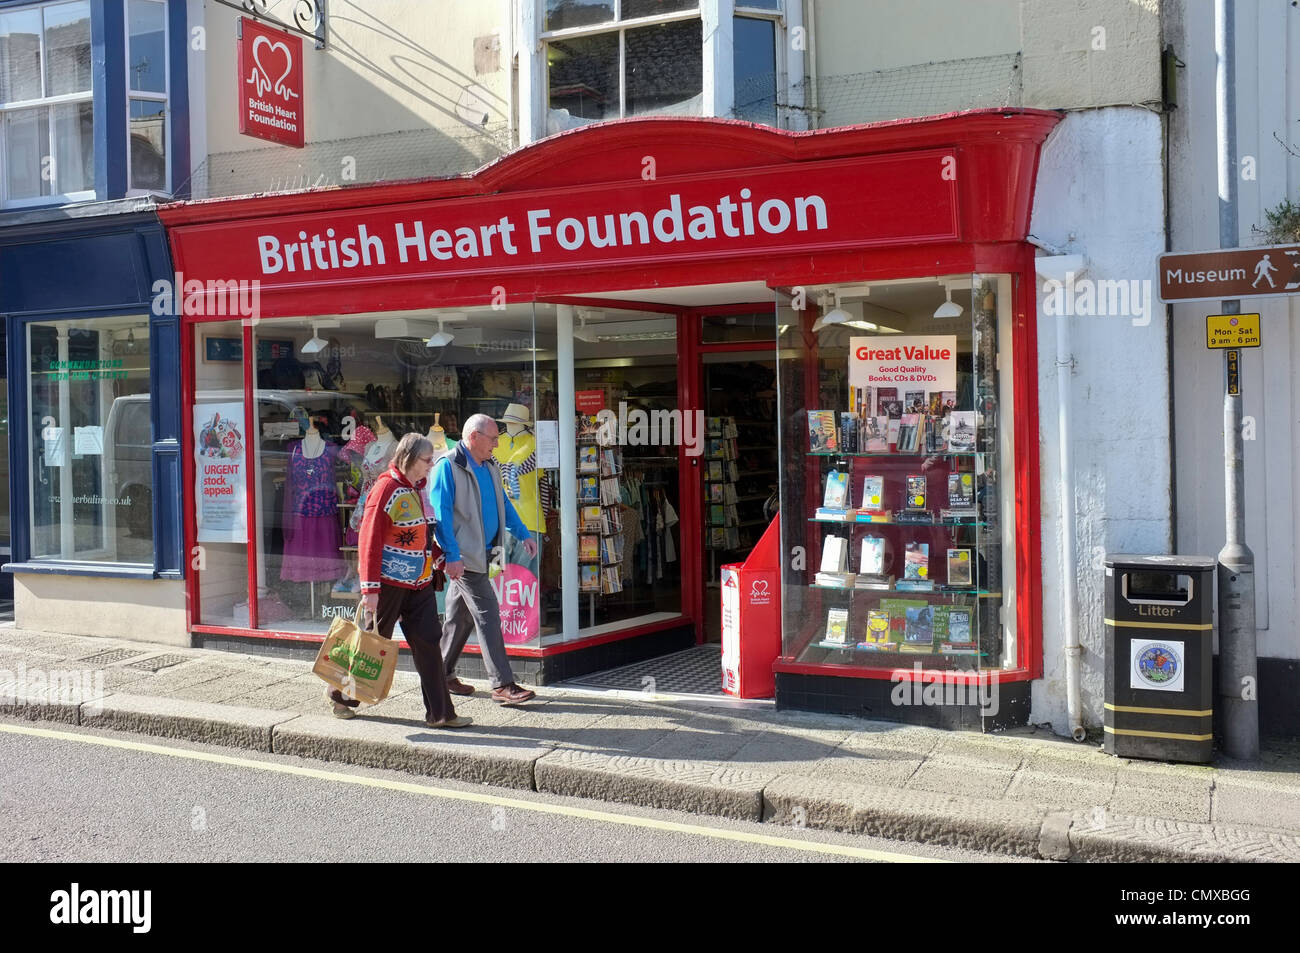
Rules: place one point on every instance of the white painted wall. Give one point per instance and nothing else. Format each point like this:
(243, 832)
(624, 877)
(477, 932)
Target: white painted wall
(1268, 102)
(1100, 194)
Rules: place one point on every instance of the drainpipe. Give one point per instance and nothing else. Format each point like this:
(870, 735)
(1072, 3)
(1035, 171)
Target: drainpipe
(810, 24)
(1064, 269)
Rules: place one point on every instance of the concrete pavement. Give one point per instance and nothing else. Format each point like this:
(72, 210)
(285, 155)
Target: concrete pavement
(1026, 793)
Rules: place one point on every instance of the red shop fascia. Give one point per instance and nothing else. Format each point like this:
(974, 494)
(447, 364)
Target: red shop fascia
(910, 198)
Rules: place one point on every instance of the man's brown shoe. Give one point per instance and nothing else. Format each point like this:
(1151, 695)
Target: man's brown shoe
(512, 694)
(457, 687)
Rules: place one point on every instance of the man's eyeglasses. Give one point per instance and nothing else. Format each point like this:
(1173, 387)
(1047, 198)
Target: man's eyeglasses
(493, 437)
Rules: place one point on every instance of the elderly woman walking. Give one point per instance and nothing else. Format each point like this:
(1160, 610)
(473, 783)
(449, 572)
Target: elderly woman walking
(397, 552)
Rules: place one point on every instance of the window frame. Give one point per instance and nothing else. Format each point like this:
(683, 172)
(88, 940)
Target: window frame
(533, 58)
(620, 27)
(49, 103)
(148, 96)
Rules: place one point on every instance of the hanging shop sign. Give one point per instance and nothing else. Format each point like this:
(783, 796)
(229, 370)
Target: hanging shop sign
(835, 204)
(270, 93)
(220, 480)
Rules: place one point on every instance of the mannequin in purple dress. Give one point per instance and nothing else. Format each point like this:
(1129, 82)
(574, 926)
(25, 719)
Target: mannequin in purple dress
(312, 535)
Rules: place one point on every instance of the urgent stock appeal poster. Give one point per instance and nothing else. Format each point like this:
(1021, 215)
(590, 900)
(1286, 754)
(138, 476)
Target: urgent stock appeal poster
(219, 475)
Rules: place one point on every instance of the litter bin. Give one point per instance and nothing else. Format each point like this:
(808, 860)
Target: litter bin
(1159, 629)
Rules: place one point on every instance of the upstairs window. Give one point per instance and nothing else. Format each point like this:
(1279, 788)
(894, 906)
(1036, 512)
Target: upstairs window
(47, 122)
(146, 83)
(608, 59)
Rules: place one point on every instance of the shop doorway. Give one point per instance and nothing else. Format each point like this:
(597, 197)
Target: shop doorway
(741, 473)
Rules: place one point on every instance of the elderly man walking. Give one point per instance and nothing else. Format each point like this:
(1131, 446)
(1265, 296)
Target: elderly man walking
(473, 514)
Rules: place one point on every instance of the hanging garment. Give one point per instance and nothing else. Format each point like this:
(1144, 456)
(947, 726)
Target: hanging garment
(312, 535)
(670, 520)
(517, 455)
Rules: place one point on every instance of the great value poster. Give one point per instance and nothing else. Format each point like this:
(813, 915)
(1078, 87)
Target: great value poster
(220, 476)
(914, 363)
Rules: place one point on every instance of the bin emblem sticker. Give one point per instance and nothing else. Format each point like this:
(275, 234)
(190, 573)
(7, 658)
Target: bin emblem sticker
(758, 593)
(1156, 665)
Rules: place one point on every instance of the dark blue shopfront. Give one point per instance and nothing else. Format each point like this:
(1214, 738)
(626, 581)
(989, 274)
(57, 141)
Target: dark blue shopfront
(93, 387)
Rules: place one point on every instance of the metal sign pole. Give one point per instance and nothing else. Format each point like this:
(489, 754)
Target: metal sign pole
(1236, 569)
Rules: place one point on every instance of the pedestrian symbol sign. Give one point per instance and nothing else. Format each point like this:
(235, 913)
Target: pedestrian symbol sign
(1232, 330)
(1230, 273)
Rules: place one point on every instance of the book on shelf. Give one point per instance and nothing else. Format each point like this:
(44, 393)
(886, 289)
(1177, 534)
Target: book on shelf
(919, 626)
(867, 516)
(611, 549)
(835, 554)
(713, 426)
(949, 649)
(897, 610)
(613, 519)
(961, 491)
(917, 648)
(837, 626)
(892, 427)
(822, 437)
(610, 494)
(589, 489)
(875, 434)
(715, 492)
(873, 493)
(886, 398)
(877, 632)
(593, 520)
(836, 495)
(823, 514)
(961, 431)
(914, 402)
(610, 465)
(958, 626)
(588, 459)
(717, 514)
(909, 433)
(589, 578)
(879, 581)
(934, 406)
(835, 580)
(872, 562)
(611, 580)
(916, 561)
(715, 470)
(934, 434)
(914, 585)
(916, 492)
(949, 399)
(848, 432)
(729, 493)
(588, 548)
(958, 516)
(732, 471)
(959, 569)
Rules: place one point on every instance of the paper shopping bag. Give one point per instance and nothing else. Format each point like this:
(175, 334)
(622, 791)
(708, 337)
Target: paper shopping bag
(358, 662)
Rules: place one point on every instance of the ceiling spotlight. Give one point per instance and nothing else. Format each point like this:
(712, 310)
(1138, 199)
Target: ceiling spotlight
(836, 315)
(442, 338)
(950, 308)
(318, 343)
(582, 332)
(130, 341)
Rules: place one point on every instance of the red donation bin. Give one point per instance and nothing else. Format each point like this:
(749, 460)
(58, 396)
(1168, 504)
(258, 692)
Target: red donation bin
(751, 618)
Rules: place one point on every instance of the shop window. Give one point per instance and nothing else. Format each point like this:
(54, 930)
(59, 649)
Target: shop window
(630, 58)
(360, 383)
(897, 483)
(90, 432)
(146, 70)
(47, 144)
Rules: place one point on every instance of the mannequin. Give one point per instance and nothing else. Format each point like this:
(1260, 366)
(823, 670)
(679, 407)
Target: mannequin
(374, 461)
(311, 525)
(437, 436)
(517, 453)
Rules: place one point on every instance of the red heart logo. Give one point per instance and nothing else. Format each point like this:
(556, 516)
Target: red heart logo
(383, 652)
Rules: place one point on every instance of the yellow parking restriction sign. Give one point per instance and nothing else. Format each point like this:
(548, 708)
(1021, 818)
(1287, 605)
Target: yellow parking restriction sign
(1232, 330)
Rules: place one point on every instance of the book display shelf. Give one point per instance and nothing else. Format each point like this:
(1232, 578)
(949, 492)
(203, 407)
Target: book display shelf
(898, 502)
